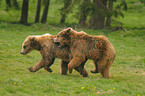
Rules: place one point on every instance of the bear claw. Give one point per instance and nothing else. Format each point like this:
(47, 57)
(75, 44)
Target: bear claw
(94, 72)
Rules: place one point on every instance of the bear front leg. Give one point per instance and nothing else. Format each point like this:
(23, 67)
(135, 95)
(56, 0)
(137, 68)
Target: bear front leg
(64, 67)
(39, 65)
(81, 69)
(75, 62)
(48, 63)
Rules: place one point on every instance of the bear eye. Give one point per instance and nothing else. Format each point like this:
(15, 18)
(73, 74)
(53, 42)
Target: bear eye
(24, 47)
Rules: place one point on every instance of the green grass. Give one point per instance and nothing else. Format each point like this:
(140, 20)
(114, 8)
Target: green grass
(127, 72)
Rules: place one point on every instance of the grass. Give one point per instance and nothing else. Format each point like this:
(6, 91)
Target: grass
(127, 72)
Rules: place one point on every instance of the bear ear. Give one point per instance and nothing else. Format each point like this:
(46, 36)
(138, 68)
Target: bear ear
(68, 30)
(31, 38)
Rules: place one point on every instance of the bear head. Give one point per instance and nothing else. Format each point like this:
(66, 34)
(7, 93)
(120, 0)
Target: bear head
(63, 37)
(29, 44)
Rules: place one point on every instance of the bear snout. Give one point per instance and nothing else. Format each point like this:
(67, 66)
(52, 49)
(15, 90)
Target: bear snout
(22, 53)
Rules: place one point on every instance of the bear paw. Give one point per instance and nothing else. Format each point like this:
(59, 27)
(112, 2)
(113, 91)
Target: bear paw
(49, 69)
(70, 70)
(31, 69)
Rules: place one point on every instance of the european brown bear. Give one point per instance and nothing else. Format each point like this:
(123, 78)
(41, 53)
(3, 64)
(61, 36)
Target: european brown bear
(49, 51)
(84, 46)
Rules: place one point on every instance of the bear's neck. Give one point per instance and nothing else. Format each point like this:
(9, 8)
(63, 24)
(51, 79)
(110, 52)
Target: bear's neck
(73, 39)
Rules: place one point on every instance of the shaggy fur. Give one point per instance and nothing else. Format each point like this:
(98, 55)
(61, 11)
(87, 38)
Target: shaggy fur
(49, 51)
(84, 46)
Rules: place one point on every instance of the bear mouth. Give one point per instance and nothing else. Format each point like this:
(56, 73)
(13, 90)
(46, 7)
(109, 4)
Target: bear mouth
(58, 44)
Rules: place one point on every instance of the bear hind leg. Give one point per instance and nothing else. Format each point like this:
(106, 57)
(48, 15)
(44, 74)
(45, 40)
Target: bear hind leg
(104, 67)
(105, 73)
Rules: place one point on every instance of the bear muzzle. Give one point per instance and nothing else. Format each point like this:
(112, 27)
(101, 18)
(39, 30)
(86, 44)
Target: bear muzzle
(56, 41)
(23, 53)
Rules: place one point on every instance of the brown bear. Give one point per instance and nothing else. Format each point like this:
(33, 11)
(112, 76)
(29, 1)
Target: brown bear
(49, 51)
(84, 46)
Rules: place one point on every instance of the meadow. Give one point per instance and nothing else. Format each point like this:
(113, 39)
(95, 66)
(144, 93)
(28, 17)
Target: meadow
(127, 71)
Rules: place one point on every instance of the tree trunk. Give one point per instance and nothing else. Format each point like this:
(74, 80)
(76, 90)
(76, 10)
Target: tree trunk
(44, 16)
(8, 2)
(24, 12)
(15, 3)
(97, 20)
(62, 18)
(110, 8)
(83, 16)
(65, 10)
(38, 11)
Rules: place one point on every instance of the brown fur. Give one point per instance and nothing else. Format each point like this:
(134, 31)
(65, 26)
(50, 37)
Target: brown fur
(84, 46)
(49, 51)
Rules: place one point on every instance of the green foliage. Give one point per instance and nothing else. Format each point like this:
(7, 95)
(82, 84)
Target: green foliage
(67, 7)
(117, 11)
(133, 17)
(12, 3)
(72, 11)
(124, 4)
(91, 9)
(142, 1)
(84, 5)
